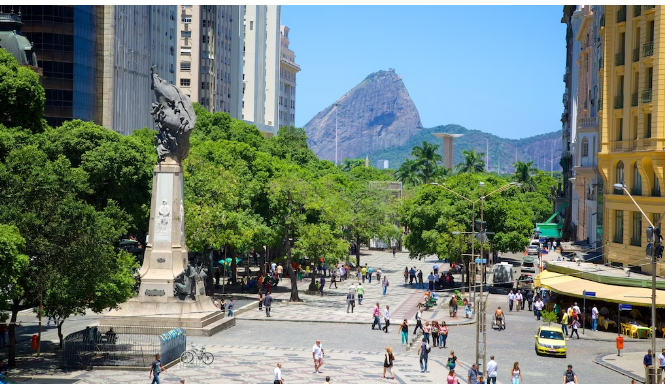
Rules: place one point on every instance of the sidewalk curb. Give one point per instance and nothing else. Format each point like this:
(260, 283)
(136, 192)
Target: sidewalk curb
(460, 323)
(599, 360)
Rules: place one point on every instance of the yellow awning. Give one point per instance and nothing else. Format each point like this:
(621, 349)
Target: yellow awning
(573, 286)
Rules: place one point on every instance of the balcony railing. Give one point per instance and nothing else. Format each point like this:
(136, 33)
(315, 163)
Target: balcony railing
(637, 10)
(648, 7)
(618, 102)
(634, 99)
(583, 123)
(621, 14)
(10, 17)
(646, 96)
(636, 54)
(620, 59)
(647, 49)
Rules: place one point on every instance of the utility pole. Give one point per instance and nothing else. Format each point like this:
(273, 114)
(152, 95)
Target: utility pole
(551, 161)
(336, 105)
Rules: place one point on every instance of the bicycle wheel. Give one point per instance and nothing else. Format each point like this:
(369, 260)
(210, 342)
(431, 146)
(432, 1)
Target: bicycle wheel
(208, 358)
(187, 357)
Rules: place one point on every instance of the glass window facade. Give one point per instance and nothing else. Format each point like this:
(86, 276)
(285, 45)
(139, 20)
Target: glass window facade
(84, 62)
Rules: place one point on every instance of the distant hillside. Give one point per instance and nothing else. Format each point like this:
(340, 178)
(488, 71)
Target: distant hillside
(502, 151)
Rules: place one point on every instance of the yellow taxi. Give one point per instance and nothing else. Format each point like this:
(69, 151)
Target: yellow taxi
(551, 341)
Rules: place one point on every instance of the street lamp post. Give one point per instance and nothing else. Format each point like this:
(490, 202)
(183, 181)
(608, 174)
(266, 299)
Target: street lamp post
(656, 243)
(336, 105)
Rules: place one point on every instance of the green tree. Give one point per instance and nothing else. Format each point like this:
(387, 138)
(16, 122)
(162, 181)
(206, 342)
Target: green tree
(319, 241)
(21, 96)
(523, 174)
(473, 162)
(14, 264)
(408, 172)
(290, 144)
(349, 164)
(427, 157)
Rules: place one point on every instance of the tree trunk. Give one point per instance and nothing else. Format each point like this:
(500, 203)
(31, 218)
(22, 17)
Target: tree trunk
(12, 333)
(60, 337)
(312, 285)
(292, 272)
(357, 251)
(234, 270)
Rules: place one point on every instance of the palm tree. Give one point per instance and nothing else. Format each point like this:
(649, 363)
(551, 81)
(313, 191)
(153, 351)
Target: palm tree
(523, 174)
(427, 158)
(473, 162)
(408, 172)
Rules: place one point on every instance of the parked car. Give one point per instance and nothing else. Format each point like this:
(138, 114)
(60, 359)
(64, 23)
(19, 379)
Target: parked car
(551, 341)
(528, 264)
(525, 282)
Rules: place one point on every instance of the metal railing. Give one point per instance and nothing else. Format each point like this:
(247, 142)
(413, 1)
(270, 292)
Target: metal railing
(620, 59)
(132, 346)
(634, 99)
(637, 10)
(647, 49)
(618, 102)
(10, 17)
(587, 122)
(621, 14)
(646, 95)
(636, 54)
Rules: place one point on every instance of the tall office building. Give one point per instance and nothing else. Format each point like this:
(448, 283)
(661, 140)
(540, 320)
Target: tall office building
(123, 94)
(163, 40)
(287, 81)
(261, 69)
(632, 128)
(209, 67)
(63, 38)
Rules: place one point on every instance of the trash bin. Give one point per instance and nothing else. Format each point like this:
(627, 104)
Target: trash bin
(619, 342)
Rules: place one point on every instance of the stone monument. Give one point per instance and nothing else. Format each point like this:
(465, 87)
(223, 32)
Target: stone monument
(172, 292)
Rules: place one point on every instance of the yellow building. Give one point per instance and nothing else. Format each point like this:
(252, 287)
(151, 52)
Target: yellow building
(632, 126)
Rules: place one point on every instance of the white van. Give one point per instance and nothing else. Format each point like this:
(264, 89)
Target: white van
(503, 275)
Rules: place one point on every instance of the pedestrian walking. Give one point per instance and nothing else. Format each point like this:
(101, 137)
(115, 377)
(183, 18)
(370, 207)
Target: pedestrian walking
(412, 275)
(518, 301)
(419, 322)
(404, 332)
(472, 375)
(452, 361)
(574, 325)
(661, 362)
(406, 274)
(229, 306)
(278, 374)
(569, 376)
(280, 271)
(361, 292)
(333, 278)
(317, 355)
(451, 379)
(430, 281)
(370, 271)
(378, 274)
(452, 306)
(443, 334)
(350, 300)
(358, 274)
(156, 368)
(594, 318)
(516, 374)
(538, 307)
(323, 284)
(388, 362)
(386, 318)
(262, 297)
(564, 323)
(376, 312)
(363, 273)
(492, 370)
(423, 353)
(511, 300)
(427, 330)
(394, 251)
(267, 303)
(420, 279)
(529, 299)
(435, 333)
(385, 284)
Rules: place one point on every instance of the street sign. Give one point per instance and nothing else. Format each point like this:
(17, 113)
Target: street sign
(543, 240)
(478, 261)
(625, 307)
(587, 293)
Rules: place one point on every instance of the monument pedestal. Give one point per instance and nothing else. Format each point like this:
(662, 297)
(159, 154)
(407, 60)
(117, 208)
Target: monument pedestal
(165, 258)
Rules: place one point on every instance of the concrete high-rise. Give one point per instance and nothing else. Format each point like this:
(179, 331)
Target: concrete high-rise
(261, 69)
(287, 81)
(209, 65)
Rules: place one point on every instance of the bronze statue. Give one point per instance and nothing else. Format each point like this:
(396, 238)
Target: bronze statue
(175, 118)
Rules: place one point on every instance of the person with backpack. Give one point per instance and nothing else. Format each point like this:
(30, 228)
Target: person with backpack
(156, 368)
(452, 361)
(423, 352)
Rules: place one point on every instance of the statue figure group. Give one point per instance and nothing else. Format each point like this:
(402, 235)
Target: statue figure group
(175, 118)
(190, 282)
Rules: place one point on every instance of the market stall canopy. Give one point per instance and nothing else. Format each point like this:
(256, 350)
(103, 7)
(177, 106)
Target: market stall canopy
(573, 286)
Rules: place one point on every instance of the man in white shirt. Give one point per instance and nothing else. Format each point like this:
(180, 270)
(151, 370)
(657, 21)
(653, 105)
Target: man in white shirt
(386, 317)
(594, 318)
(577, 309)
(538, 305)
(317, 355)
(491, 369)
(518, 300)
(511, 300)
(278, 374)
(661, 361)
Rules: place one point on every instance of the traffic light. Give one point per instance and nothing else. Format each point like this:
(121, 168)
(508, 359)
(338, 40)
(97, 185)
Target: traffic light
(658, 254)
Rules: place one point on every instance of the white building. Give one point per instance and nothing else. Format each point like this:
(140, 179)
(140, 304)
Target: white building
(209, 62)
(163, 40)
(287, 81)
(261, 82)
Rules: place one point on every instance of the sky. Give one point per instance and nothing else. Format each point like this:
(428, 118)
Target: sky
(498, 69)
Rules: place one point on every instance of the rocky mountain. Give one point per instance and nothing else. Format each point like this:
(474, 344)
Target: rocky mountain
(375, 115)
(543, 150)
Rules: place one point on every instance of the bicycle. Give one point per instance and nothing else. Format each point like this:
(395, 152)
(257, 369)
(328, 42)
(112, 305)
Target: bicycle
(200, 354)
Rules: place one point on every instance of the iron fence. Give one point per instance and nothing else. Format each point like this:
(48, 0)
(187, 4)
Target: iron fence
(126, 346)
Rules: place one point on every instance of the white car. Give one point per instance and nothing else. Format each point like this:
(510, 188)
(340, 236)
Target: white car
(532, 250)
